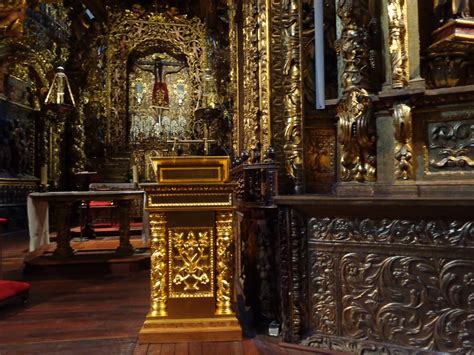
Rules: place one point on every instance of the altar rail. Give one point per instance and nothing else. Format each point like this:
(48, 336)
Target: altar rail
(377, 274)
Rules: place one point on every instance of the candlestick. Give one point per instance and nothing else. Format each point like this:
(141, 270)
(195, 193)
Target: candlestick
(135, 174)
(44, 175)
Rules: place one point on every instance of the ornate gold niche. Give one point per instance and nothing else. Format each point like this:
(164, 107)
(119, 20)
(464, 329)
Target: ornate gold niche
(132, 32)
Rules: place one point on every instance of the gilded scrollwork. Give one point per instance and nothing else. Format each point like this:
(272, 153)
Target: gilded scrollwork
(451, 146)
(398, 42)
(224, 249)
(132, 32)
(403, 141)
(191, 262)
(233, 74)
(158, 274)
(356, 123)
(392, 231)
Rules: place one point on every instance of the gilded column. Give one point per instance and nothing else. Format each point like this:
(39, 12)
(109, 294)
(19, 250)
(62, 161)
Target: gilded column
(159, 295)
(398, 42)
(224, 250)
(293, 146)
(251, 79)
(356, 124)
(264, 73)
(233, 45)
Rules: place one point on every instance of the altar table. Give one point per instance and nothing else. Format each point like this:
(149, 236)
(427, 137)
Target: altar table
(38, 220)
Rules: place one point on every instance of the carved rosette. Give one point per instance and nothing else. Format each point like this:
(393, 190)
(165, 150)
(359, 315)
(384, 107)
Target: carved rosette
(356, 124)
(224, 249)
(158, 273)
(397, 28)
(403, 141)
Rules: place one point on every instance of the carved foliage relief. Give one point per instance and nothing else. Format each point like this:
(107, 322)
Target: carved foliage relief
(410, 301)
(392, 231)
(323, 292)
(320, 150)
(419, 302)
(451, 146)
(397, 42)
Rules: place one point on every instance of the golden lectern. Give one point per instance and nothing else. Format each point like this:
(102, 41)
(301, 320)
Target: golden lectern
(192, 251)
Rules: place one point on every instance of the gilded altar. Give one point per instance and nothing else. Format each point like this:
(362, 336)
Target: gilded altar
(192, 251)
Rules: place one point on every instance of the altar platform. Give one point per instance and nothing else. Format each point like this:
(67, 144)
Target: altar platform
(95, 256)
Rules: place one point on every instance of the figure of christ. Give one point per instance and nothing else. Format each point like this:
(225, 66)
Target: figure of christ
(160, 95)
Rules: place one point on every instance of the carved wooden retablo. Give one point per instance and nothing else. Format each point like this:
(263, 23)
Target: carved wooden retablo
(192, 252)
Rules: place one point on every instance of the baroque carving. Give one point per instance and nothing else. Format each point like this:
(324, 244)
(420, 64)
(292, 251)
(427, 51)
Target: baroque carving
(224, 250)
(451, 146)
(419, 302)
(403, 141)
(293, 290)
(357, 136)
(191, 258)
(320, 150)
(233, 74)
(293, 101)
(264, 74)
(398, 42)
(323, 292)
(392, 231)
(159, 295)
(133, 32)
(252, 81)
(356, 124)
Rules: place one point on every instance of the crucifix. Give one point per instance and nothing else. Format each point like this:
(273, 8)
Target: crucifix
(160, 95)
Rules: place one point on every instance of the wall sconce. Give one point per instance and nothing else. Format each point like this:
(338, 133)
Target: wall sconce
(56, 92)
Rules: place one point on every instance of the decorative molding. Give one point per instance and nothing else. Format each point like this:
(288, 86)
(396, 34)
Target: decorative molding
(397, 27)
(403, 141)
(392, 231)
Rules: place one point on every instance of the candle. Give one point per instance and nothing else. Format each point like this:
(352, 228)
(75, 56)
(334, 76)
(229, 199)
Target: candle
(44, 175)
(135, 174)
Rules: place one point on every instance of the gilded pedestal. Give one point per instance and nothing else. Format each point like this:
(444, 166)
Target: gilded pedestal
(192, 260)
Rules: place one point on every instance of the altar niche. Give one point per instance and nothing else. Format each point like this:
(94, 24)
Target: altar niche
(159, 99)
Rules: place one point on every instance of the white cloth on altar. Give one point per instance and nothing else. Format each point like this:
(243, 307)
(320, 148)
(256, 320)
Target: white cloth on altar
(38, 222)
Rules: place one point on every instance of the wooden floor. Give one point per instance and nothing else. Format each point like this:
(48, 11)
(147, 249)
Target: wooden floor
(95, 314)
